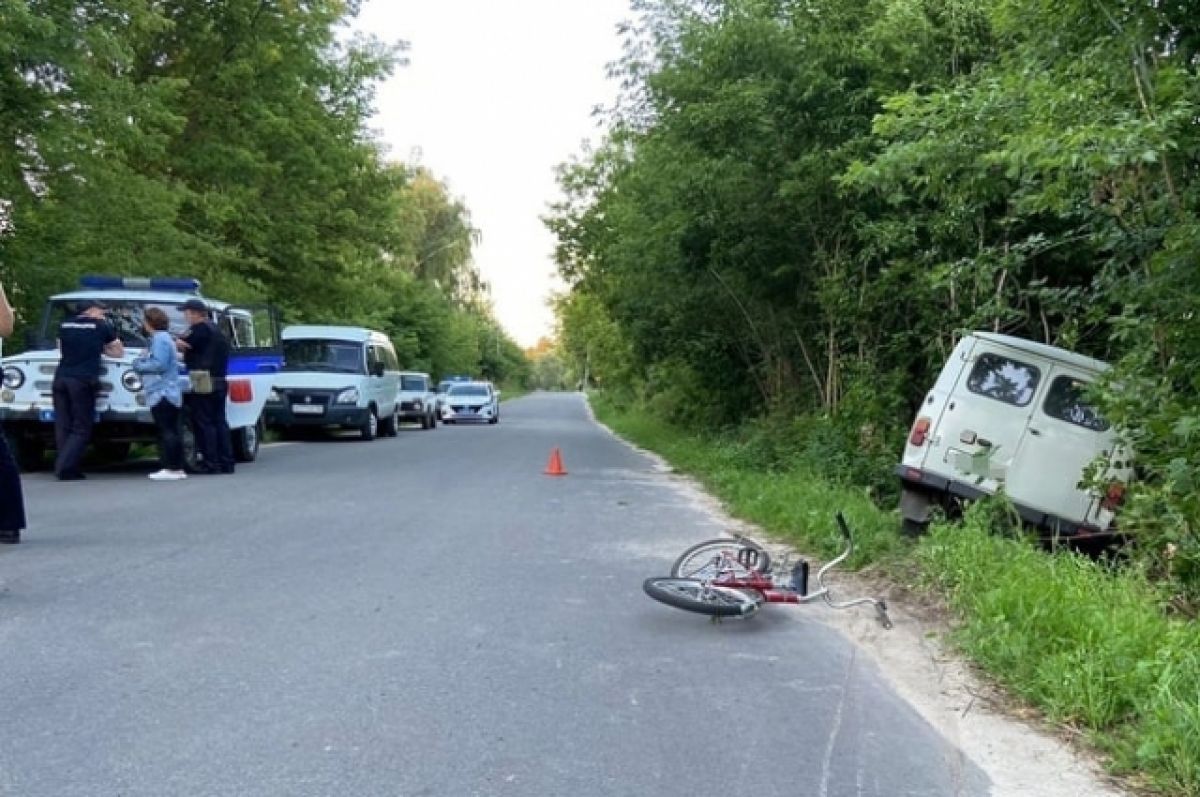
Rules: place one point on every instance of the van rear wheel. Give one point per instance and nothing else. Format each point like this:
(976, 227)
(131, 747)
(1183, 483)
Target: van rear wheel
(246, 442)
(915, 507)
(191, 450)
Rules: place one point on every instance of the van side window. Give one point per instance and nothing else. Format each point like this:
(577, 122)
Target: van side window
(1065, 401)
(389, 359)
(1003, 379)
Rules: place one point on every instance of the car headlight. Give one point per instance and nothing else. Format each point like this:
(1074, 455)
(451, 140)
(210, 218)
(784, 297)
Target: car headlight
(273, 397)
(131, 381)
(13, 377)
(347, 396)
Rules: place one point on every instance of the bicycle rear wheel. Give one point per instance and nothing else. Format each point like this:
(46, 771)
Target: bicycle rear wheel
(696, 596)
(704, 560)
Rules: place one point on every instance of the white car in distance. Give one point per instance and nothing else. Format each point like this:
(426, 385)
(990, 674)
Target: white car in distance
(471, 401)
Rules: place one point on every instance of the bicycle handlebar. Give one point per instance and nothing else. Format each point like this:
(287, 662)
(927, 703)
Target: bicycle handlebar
(845, 529)
(823, 590)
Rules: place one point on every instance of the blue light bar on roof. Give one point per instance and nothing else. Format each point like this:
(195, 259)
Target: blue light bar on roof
(183, 284)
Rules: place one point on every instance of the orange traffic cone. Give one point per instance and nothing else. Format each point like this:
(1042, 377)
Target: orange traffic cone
(555, 466)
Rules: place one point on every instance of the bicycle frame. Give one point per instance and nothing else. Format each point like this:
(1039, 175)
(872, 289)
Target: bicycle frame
(771, 591)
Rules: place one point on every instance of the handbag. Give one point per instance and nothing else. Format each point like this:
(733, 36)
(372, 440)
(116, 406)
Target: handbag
(202, 382)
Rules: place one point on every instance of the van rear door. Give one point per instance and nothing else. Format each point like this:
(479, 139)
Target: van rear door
(921, 443)
(255, 357)
(979, 433)
(1064, 436)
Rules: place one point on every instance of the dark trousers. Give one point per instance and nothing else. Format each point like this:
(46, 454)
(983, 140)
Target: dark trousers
(224, 437)
(12, 500)
(213, 440)
(169, 420)
(74, 415)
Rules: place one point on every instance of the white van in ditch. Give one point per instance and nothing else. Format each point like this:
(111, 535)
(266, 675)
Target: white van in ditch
(344, 377)
(1008, 415)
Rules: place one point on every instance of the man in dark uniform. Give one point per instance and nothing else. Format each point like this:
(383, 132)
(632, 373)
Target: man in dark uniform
(81, 340)
(205, 348)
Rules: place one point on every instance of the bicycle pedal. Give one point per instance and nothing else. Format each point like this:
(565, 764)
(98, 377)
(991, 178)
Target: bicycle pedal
(799, 581)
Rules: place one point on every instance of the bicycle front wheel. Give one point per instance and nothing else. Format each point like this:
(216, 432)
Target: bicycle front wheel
(705, 560)
(696, 596)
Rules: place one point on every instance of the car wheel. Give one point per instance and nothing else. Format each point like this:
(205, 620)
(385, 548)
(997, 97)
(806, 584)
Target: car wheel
(246, 442)
(191, 452)
(390, 427)
(370, 428)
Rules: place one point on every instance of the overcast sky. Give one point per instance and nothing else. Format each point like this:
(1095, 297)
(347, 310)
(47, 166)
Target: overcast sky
(497, 93)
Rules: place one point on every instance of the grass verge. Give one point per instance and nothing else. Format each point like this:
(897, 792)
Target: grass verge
(1092, 647)
(514, 391)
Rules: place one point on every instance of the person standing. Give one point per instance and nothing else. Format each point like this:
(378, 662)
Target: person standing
(164, 394)
(81, 341)
(12, 500)
(205, 349)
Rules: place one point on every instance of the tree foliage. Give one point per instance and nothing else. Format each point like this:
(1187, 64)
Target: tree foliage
(228, 141)
(800, 206)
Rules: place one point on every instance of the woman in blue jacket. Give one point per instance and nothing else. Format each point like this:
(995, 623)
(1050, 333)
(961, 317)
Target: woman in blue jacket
(164, 394)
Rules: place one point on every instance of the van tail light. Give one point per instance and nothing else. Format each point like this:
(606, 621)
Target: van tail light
(920, 432)
(1114, 496)
(240, 391)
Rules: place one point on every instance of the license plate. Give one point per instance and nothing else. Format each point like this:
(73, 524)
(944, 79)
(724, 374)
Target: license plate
(47, 416)
(308, 409)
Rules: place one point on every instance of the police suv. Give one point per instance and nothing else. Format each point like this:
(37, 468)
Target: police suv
(122, 417)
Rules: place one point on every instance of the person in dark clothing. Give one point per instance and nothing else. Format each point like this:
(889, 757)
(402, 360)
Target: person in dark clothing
(205, 348)
(12, 500)
(81, 340)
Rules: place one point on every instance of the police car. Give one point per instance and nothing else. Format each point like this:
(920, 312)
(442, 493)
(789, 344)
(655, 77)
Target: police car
(122, 417)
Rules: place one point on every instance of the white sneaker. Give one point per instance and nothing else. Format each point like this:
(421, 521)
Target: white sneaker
(167, 475)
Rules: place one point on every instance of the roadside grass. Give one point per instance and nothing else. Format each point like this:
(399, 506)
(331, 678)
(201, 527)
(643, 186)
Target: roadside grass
(513, 391)
(1092, 646)
(794, 505)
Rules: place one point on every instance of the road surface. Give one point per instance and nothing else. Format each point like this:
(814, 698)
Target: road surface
(427, 615)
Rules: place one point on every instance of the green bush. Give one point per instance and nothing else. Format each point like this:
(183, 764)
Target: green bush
(1090, 644)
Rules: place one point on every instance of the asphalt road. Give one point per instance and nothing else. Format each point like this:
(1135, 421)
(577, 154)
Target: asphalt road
(428, 615)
